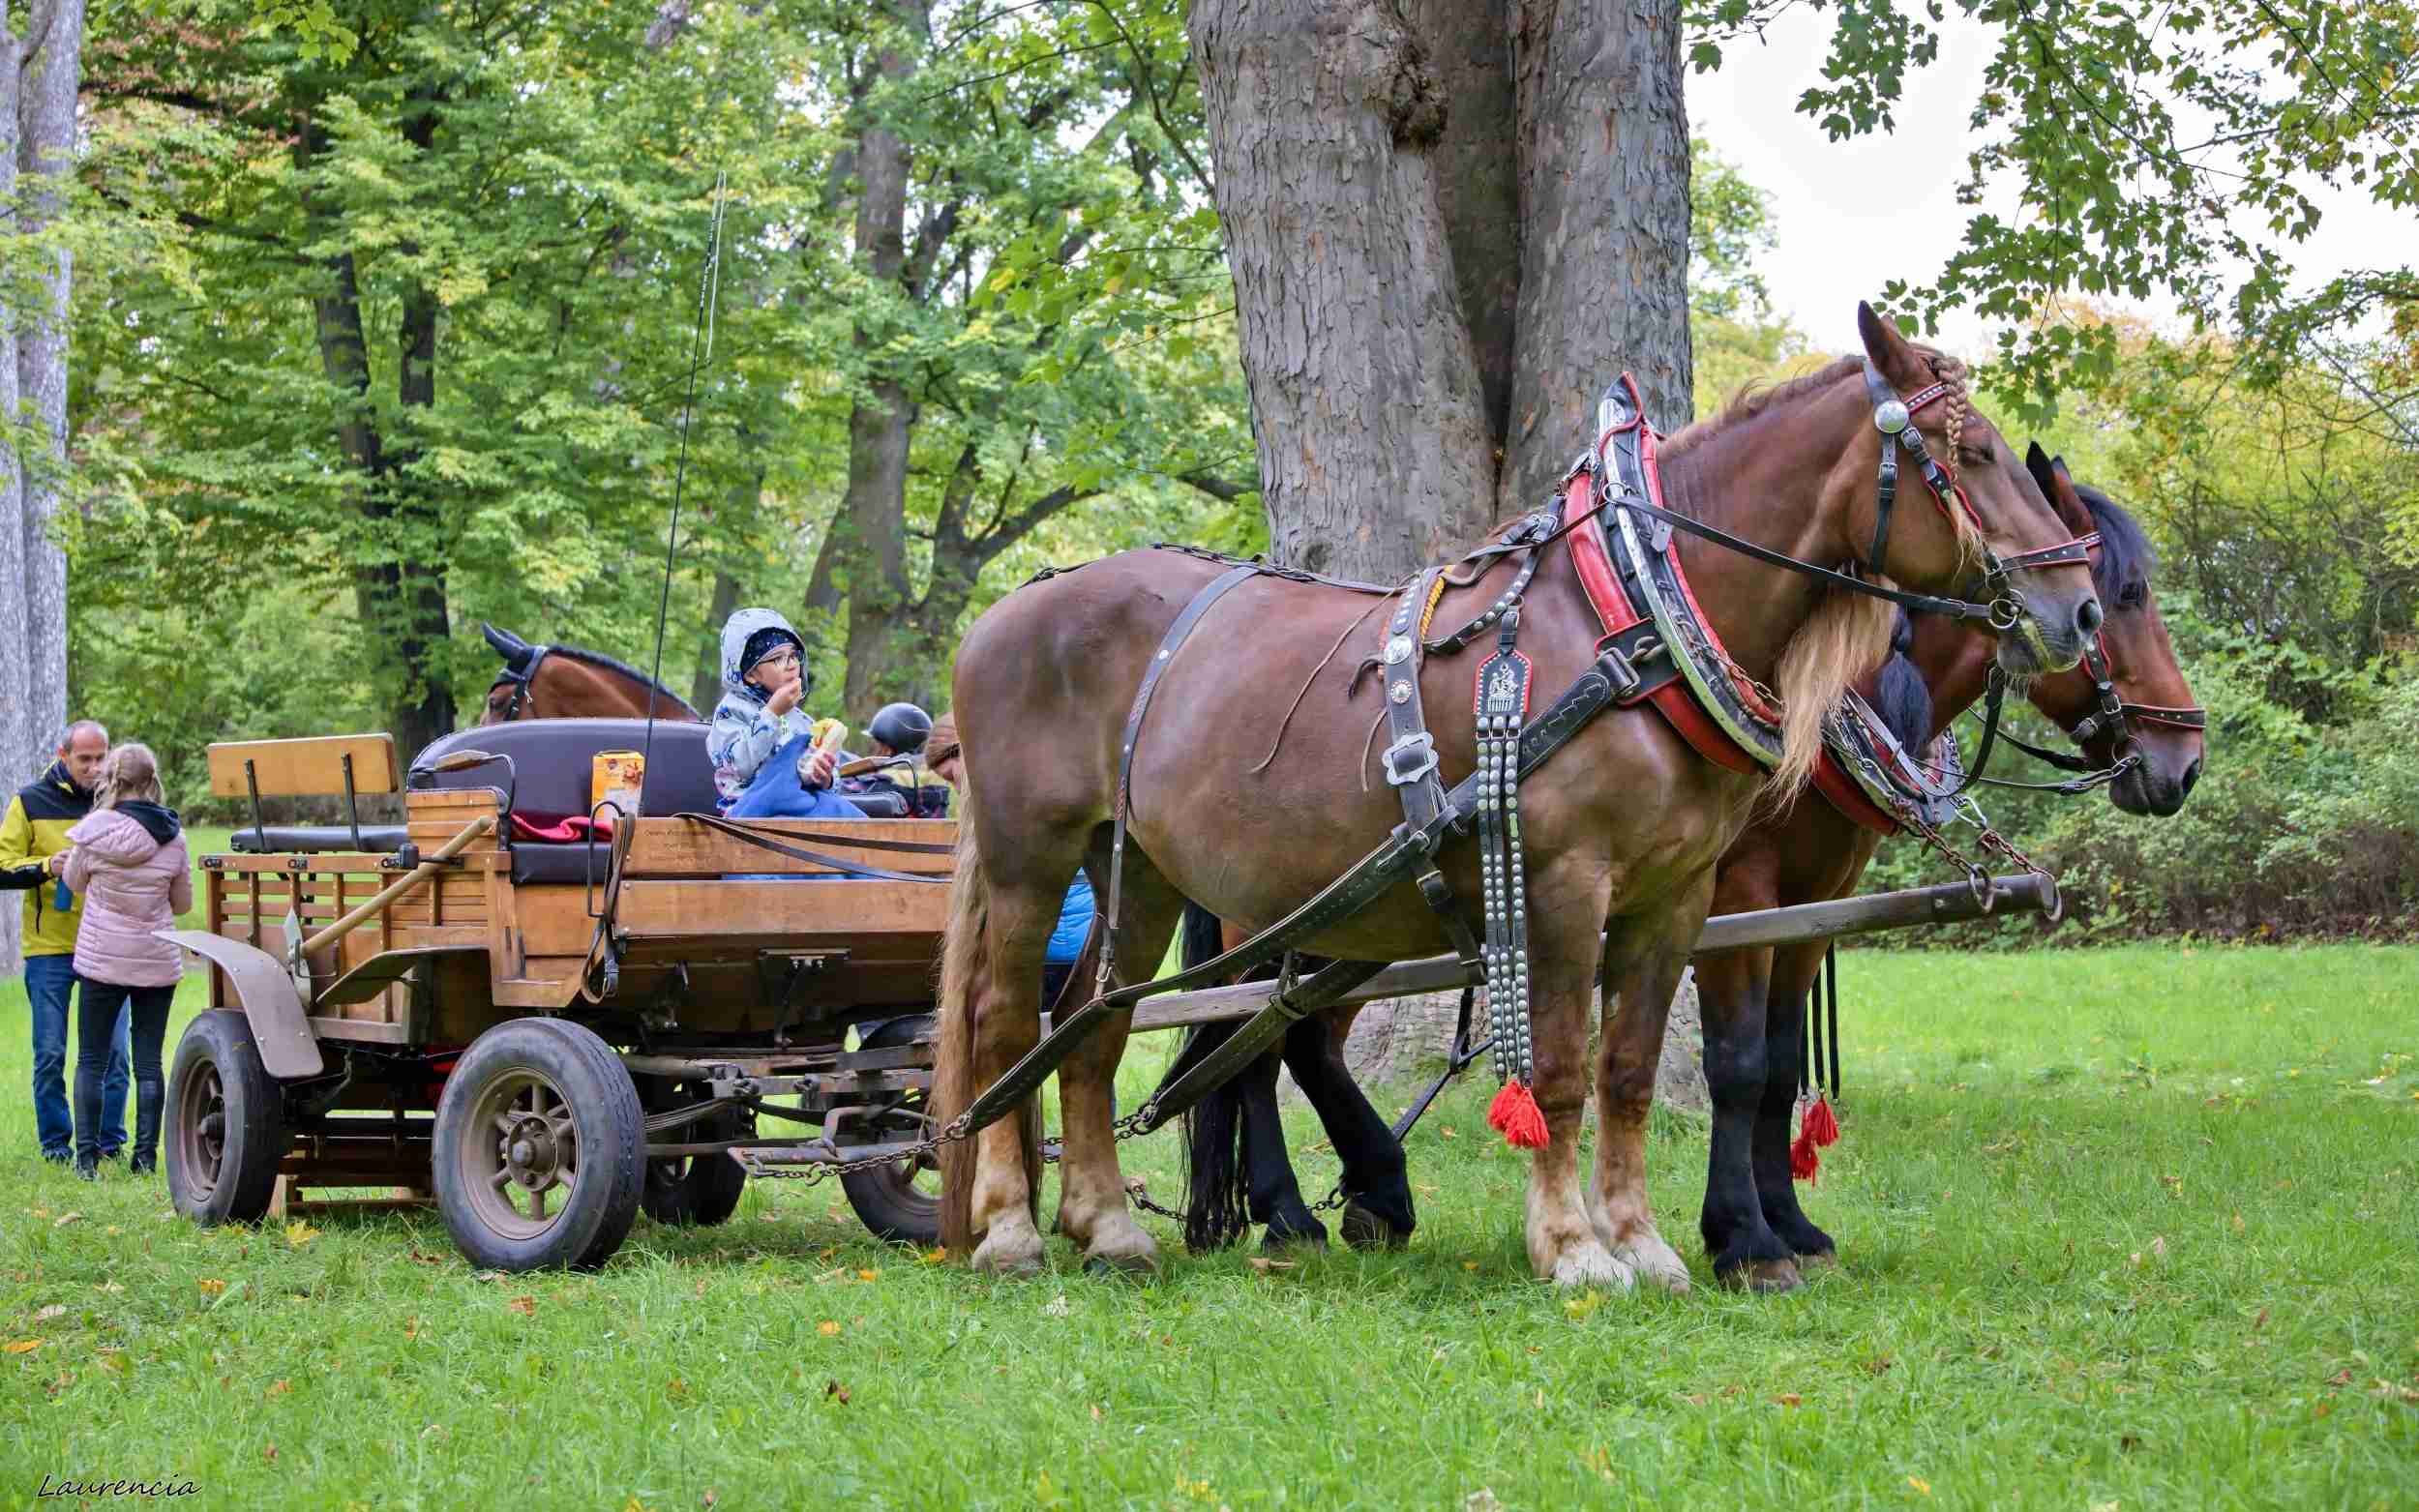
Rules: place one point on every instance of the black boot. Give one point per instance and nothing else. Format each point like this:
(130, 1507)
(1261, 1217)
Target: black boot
(149, 1094)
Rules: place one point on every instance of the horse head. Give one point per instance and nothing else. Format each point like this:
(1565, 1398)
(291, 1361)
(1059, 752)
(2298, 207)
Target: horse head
(2002, 538)
(2128, 696)
(515, 651)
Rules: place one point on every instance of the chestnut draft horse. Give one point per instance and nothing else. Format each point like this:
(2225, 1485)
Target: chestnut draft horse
(566, 682)
(1623, 825)
(2141, 738)
(1750, 999)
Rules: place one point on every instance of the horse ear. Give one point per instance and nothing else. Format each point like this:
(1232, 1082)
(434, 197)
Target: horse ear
(511, 647)
(1888, 350)
(2037, 462)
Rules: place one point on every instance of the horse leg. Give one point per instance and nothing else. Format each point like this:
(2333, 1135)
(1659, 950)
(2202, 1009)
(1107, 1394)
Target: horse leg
(1638, 983)
(1276, 1199)
(1092, 1206)
(1785, 1043)
(1002, 982)
(1563, 1244)
(1377, 1183)
(1730, 994)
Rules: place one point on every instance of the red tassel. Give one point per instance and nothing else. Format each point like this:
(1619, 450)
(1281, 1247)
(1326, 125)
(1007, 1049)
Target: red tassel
(1818, 1128)
(1514, 1114)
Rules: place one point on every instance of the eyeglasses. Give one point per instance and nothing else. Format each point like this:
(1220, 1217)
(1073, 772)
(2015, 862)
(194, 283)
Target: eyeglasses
(787, 656)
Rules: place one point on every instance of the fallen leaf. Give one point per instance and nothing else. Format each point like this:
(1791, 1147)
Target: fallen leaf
(1921, 1487)
(24, 1346)
(2341, 1377)
(2261, 1322)
(425, 1259)
(1095, 1411)
(2159, 1247)
(827, 1328)
(1541, 1399)
(1788, 1399)
(526, 1306)
(677, 1387)
(709, 1499)
(1480, 1500)
(268, 1451)
(278, 1388)
(1469, 1264)
(1263, 1264)
(487, 1275)
(54, 1310)
(1581, 1306)
(64, 1219)
(869, 1275)
(2237, 1224)
(836, 1392)
(934, 1256)
(1056, 1307)
(299, 1233)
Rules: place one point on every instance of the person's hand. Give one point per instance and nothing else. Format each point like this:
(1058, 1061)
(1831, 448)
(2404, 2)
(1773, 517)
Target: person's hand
(819, 768)
(56, 863)
(785, 697)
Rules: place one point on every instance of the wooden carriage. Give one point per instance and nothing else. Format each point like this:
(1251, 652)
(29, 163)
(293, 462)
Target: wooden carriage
(545, 1024)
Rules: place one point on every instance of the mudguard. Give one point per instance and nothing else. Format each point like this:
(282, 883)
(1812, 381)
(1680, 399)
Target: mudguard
(269, 1000)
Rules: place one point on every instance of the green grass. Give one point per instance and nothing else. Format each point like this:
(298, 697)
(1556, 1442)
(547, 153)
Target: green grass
(2128, 1227)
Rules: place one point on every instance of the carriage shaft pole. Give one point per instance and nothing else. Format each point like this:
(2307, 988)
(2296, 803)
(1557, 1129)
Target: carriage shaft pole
(1950, 903)
(368, 909)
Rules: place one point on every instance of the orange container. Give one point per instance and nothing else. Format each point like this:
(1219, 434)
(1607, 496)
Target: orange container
(616, 775)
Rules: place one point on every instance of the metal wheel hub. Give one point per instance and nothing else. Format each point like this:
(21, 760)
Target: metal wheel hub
(530, 1150)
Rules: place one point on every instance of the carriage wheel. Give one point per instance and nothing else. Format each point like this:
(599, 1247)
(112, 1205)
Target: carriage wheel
(539, 1148)
(697, 1188)
(227, 1124)
(899, 1201)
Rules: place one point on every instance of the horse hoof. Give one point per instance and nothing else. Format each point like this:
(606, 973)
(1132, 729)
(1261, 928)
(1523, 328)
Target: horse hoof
(1653, 1260)
(1820, 1259)
(1008, 1255)
(1763, 1277)
(1281, 1242)
(1364, 1229)
(1590, 1265)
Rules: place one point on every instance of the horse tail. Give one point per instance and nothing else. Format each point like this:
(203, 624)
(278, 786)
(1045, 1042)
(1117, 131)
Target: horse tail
(965, 964)
(1217, 1192)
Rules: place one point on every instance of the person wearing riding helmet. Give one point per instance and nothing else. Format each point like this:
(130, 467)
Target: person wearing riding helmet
(764, 679)
(902, 730)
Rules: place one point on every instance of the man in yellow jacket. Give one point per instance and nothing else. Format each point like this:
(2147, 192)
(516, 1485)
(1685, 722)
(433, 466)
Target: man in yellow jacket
(33, 852)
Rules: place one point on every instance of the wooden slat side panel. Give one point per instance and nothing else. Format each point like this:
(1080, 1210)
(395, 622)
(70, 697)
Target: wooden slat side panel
(681, 847)
(314, 764)
(864, 917)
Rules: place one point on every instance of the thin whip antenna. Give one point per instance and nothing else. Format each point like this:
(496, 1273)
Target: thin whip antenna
(701, 352)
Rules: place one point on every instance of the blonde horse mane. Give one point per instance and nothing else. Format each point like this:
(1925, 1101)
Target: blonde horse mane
(1848, 633)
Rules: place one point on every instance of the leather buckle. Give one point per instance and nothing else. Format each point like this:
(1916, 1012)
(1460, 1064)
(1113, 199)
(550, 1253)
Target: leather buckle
(1420, 746)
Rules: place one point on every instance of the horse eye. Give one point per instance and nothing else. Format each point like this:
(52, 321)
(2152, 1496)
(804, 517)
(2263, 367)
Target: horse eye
(2134, 596)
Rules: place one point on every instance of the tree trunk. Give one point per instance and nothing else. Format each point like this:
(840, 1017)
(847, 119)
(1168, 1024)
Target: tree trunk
(1604, 213)
(707, 689)
(17, 743)
(47, 146)
(1450, 223)
(1367, 407)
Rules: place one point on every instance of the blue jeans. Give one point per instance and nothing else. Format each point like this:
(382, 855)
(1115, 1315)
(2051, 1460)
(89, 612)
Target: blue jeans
(107, 1003)
(49, 980)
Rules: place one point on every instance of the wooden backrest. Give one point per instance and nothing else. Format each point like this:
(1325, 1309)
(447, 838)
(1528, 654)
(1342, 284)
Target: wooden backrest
(314, 764)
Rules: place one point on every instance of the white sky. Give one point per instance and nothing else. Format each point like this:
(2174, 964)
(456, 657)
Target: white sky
(1854, 215)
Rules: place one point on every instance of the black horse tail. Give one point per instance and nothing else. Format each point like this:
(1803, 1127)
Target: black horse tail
(1217, 1192)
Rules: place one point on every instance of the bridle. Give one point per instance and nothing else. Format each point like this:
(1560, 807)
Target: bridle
(520, 679)
(2114, 716)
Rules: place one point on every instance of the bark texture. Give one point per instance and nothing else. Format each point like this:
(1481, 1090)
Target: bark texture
(18, 744)
(1368, 413)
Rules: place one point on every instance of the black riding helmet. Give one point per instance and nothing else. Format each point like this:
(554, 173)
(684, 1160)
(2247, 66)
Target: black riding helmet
(902, 727)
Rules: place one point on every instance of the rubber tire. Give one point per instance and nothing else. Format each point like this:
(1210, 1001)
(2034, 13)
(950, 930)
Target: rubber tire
(894, 1215)
(254, 1142)
(606, 1120)
(708, 1191)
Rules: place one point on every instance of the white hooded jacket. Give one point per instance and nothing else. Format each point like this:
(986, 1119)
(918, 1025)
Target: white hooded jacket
(744, 733)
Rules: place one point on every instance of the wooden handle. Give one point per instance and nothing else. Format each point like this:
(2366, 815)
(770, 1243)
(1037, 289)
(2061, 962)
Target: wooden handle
(363, 913)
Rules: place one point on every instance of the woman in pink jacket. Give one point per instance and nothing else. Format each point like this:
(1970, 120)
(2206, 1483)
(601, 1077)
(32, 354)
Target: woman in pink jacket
(131, 867)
